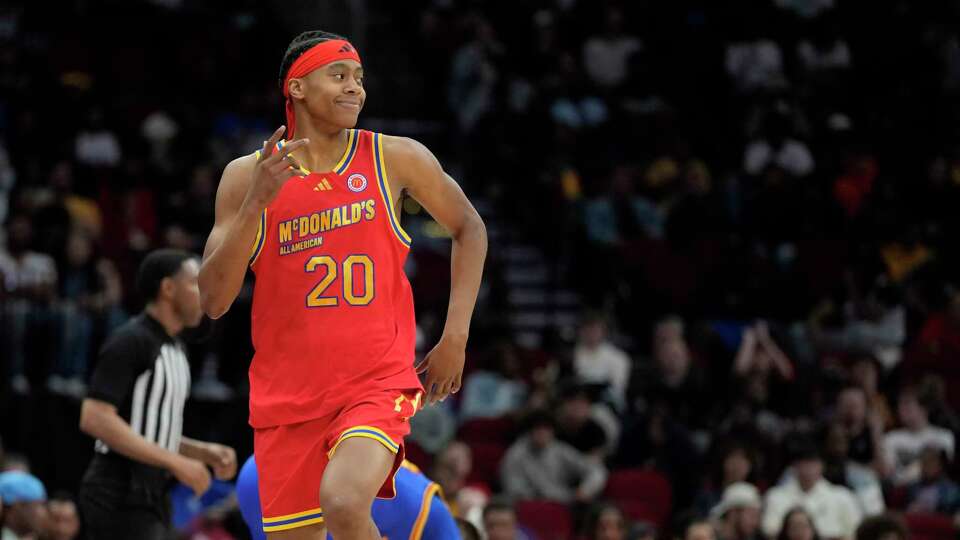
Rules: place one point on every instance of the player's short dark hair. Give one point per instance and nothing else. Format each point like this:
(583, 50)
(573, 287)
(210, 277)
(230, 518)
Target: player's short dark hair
(876, 527)
(467, 530)
(156, 266)
(301, 44)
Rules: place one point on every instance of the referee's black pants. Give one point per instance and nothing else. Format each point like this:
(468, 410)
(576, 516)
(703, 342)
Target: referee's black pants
(117, 507)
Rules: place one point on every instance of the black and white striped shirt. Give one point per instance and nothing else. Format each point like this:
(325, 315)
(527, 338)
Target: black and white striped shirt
(144, 373)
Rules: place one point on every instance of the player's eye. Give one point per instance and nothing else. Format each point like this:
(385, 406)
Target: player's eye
(338, 76)
(360, 81)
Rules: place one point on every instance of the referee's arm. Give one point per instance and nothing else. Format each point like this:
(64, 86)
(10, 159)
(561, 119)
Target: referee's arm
(99, 419)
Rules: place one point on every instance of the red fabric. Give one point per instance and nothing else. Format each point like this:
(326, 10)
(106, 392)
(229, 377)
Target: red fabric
(311, 360)
(931, 526)
(643, 493)
(481, 430)
(486, 462)
(316, 57)
(291, 458)
(547, 519)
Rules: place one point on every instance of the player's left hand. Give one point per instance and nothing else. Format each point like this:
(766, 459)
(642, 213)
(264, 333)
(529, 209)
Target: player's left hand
(223, 460)
(444, 367)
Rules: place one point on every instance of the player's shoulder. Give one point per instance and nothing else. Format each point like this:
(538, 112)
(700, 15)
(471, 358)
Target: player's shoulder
(409, 156)
(237, 173)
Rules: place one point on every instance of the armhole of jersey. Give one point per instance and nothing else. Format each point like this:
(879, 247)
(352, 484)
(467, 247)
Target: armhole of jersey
(417, 532)
(261, 236)
(383, 184)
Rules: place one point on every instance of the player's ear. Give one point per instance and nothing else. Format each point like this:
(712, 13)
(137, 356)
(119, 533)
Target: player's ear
(296, 88)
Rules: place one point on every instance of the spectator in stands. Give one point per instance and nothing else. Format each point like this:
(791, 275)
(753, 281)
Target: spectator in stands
(734, 466)
(864, 427)
(843, 471)
(738, 514)
(834, 509)
(605, 522)
(865, 372)
(902, 447)
(30, 281)
(606, 56)
(64, 518)
(538, 466)
(489, 393)
(575, 425)
(798, 525)
(597, 360)
(697, 529)
(777, 148)
(467, 530)
(451, 468)
(24, 506)
(885, 527)
(500, 522)
(935, 492)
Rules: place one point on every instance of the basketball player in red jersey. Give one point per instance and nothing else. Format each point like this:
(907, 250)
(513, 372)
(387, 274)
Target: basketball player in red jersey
(332, 382)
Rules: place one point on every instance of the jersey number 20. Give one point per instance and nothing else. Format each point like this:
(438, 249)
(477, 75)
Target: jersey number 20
(316, 298)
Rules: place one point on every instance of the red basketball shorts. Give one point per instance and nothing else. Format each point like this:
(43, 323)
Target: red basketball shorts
(291, 458)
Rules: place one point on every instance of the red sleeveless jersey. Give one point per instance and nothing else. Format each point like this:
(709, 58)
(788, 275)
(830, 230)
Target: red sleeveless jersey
(332, 308)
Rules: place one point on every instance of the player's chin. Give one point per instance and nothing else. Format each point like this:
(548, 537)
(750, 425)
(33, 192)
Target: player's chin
(346, 118)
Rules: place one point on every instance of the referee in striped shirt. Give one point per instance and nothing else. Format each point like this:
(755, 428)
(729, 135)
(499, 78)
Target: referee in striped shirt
(135, 411)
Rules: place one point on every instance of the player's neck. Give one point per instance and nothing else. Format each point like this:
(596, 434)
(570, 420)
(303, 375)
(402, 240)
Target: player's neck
(326, 148)
(164, 314)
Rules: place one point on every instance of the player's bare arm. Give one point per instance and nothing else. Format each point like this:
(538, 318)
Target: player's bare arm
(248, 185)
(412, 167)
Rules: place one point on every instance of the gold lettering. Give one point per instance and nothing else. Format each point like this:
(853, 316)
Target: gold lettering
(314, 223)
(286, 234)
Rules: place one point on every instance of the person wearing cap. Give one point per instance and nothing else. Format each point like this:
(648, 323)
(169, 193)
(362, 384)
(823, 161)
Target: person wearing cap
(738, 513)
(834, 509)
(24, 506)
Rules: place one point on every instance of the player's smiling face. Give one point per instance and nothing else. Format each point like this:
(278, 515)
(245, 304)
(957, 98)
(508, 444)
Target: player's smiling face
(335, 92)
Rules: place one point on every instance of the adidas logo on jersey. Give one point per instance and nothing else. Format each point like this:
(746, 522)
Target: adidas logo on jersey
(346, 48)
(322, 185)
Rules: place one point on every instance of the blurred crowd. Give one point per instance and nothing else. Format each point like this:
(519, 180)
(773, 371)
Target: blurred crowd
(753, 202)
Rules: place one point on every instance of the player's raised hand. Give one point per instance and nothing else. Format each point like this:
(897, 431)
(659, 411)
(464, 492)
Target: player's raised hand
(444, 368)
(273, 169)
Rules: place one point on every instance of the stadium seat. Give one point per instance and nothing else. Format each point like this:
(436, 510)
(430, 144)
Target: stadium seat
(485, 430)
(548, 520)
(486, 463)
(642, 494)
(930, 526)
(417, 455)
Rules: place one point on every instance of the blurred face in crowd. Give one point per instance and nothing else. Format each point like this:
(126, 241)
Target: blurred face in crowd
(542, 436)
(79, 249)
(64, 521)
(864, 374)
(26, 518)
(611, 525)
(809, 471)
(500, 525)
(746, 521)
(700, 530)
(593, 333)
(912, 414)
(931, 464)
(452, 468)
(575, 410)
(799, 526)
(673, 359)
(852, 407)
(736, 466)
(184, 293)
(19, 234)
(837, 444)
(668, 330)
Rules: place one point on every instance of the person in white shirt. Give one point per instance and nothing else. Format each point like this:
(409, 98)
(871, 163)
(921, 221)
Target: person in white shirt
(834, 509)
(596, 360)
(903, 447)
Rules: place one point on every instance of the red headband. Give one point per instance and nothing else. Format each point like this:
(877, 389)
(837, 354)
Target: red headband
(315, 57)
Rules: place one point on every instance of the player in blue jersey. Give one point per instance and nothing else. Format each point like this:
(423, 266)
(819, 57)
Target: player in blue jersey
(416, 513)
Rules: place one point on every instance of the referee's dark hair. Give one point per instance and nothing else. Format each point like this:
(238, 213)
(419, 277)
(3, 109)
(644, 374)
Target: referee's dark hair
(156, 266)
